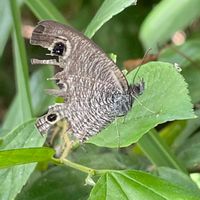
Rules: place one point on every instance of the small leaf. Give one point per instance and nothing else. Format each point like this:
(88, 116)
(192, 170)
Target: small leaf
(24, 136)
(138, 186)
(165, 98)
(108, 9)
(23, 156)
(161, 18)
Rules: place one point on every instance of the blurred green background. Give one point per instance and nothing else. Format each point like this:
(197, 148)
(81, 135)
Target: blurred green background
(171, 28)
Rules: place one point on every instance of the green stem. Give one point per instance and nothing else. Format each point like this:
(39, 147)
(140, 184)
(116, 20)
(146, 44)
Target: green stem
(79, 167)
(158, 152)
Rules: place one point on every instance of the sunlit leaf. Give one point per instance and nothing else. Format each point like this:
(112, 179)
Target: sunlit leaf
(138, 185)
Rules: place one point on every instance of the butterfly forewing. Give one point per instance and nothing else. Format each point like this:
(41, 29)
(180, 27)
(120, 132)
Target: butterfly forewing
(83, 56)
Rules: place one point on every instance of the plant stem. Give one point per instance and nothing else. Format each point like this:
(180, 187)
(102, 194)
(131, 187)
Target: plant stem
(79, 167)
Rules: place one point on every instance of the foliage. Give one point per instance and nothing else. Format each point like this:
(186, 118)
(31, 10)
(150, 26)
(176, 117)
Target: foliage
(164, 146)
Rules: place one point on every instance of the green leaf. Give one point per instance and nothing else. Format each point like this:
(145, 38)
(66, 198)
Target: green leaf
(107, 158)
(181, 179)
(196, 178)
(107, 10)
(165, 98)
(45, 10)
(6, 23)
(40, 100)
(138, 186)
(192, 126)
(11, 121)
(170, 132)
(185, 54)
(158, 28)
(158, 152)
(189, 152)
(192, 76)
(14, 157)
(24, 136)
(56, 183)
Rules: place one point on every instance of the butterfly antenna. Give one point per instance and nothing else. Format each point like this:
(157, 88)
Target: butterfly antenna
(136, 99)
(142, 61)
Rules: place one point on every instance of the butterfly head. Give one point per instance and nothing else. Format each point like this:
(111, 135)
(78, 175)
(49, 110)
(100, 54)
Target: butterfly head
(137, 89)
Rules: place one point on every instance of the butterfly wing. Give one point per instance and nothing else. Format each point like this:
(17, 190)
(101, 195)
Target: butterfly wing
(91, 84)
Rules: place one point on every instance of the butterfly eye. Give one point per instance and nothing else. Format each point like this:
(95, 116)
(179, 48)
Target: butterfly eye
(52, 117)
(59, 48)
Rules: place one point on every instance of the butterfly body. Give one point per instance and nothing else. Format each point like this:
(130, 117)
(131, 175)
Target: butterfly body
(95, 91)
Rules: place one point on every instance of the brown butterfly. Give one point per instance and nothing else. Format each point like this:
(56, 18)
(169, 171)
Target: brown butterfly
(94, 89)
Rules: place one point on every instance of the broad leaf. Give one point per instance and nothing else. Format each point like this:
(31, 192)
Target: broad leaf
(138, 186)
